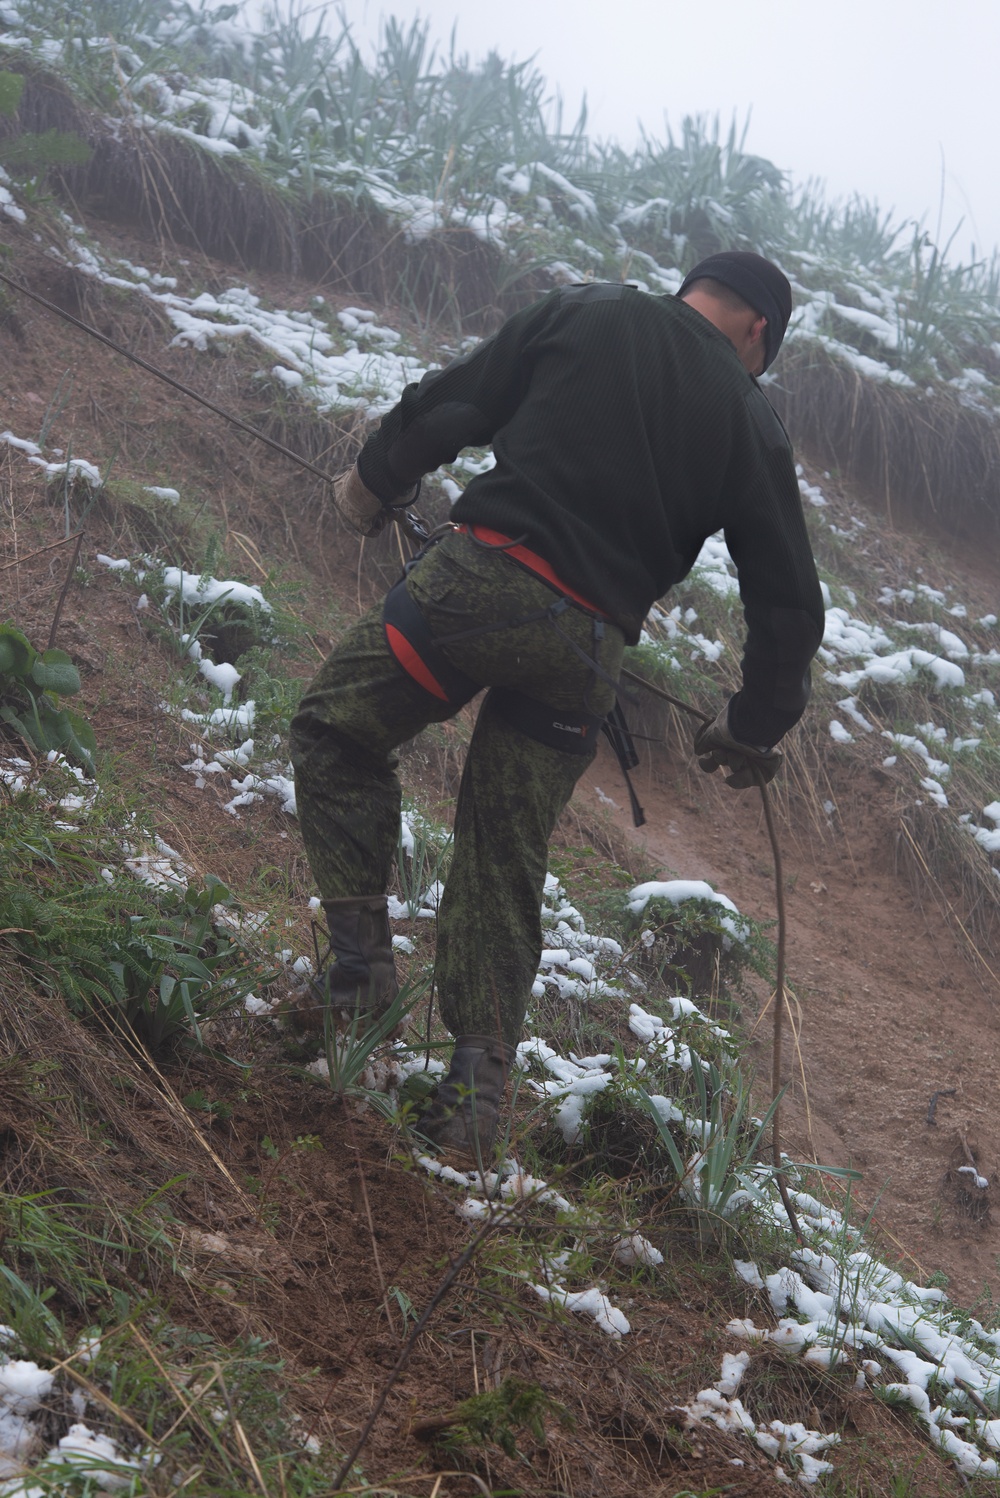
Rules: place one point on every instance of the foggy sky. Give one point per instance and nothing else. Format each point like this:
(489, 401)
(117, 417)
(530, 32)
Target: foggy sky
(897, 100)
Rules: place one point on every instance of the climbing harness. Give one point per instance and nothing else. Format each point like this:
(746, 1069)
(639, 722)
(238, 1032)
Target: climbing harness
(421, 655)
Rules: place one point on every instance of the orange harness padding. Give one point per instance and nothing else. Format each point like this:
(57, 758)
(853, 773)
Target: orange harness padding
(413, 664)
(530, 559)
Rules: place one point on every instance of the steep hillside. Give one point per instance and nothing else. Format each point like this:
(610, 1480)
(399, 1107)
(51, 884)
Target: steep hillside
(220, 1256)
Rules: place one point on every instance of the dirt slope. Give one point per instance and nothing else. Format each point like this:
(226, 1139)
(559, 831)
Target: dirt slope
(894, 1007)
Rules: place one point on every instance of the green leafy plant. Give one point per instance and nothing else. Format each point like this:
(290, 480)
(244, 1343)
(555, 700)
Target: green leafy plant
(165, 984)
(407, 1310)
(349, 1052)
(495, 1417)
(153, 974)
(31, 685)
(722, 1173)
(700, 947)
(422, 856)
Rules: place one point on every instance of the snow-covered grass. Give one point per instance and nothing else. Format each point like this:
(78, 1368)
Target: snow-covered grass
(124, 1407)
(907, 680)
(581, 1239)
(431, 145)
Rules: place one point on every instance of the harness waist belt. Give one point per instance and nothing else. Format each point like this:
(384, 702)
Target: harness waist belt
(530, 559)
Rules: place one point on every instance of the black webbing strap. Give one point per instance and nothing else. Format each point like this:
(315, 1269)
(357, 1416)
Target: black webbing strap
(574, 732)
(620, 739)
(560, 728)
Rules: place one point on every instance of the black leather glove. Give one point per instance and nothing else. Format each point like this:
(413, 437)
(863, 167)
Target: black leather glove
(718, 750)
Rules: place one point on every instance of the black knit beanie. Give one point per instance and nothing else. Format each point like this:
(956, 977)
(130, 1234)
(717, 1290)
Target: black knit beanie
(759, 282)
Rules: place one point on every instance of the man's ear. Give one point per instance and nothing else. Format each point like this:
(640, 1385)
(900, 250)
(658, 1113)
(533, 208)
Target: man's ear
(755, 349)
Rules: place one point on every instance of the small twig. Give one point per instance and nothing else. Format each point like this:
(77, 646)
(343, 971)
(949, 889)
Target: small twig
(65, 589)
(189, 1406)
(465, 1258)
(98, 1394)
(41, 550)
(435, 1477)
(932, 1105)
(13, 532)
(970, 1157)
(245, 1443)
(186, 1408)
(241, 542)
(368, 1213)
(980, 1404)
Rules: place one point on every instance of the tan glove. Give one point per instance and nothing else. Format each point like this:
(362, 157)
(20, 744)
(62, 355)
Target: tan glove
(363, 511)
(717, 749)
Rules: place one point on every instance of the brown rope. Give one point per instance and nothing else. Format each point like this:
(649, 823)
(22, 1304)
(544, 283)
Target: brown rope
(160, 374)
(779, 1006)
(779, 983)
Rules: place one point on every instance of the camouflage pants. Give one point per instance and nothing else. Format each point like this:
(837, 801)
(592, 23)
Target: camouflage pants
(361, 706)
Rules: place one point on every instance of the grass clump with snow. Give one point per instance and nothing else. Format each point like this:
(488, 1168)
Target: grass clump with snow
(452, 186)
(136, 1403)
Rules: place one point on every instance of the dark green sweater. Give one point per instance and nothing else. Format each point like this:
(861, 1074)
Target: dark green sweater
(626, 431)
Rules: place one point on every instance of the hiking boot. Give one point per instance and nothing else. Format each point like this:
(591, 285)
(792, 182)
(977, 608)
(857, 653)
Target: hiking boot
(459, 1124)
(359, 974)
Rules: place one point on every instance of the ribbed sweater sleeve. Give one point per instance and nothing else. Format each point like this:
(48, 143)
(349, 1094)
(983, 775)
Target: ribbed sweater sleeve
(462, 405)
(766, 535)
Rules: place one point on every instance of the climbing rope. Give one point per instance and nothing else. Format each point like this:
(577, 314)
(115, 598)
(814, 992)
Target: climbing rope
(413, 520)
(780, 999)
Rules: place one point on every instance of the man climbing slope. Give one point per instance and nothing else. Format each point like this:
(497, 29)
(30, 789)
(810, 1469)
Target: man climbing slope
(627, 428)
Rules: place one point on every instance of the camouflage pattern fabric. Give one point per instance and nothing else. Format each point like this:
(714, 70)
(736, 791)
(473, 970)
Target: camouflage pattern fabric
(361, 706)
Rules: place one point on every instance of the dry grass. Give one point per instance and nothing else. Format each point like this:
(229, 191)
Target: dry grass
(173, 191)
(82, 1113)
(910, 453)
